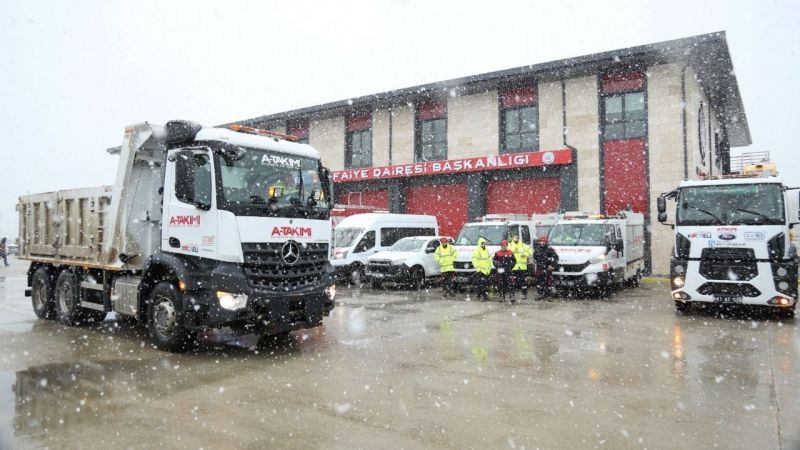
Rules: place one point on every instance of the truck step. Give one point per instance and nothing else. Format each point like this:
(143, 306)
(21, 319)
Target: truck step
(95, 306)
(92, 286)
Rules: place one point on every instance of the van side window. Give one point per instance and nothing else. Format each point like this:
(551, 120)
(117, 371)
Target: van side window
(391, 235)
(366, 242)
(526, 234)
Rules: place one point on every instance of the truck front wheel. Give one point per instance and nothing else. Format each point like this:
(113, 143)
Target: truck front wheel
(166, 320)
(42, 294)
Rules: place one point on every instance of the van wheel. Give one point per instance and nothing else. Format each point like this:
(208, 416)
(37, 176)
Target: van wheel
(42, 297)
(166, 320)
(356, 274)
(417, 278)
(636, 281)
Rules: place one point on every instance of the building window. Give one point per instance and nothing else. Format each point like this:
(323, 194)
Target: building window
(358, 142)
(299, 129)
(624, 113)
(519, 120)
(624, 116)
(431, 131)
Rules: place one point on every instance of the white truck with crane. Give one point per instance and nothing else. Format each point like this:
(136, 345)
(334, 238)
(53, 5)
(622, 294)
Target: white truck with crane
(204, 228)
(732, 241)
(597, 252)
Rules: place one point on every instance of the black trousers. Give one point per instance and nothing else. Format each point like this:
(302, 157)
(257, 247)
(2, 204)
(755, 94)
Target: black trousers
(481, 282)
(544, 281)
(449, 281)
(521, 280)
(505, 283)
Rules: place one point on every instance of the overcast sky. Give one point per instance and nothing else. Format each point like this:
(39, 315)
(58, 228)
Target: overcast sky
(75, 73)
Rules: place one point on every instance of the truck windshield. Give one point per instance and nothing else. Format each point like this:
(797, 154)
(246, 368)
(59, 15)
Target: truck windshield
(408, 245)
(247, 181)
(346, 237)
(572, 234)
(492, 233)
(737, 204)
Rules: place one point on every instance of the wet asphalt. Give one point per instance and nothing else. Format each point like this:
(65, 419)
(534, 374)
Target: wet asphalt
(404, 369)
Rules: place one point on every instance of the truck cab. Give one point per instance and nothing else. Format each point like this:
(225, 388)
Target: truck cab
(732, 241)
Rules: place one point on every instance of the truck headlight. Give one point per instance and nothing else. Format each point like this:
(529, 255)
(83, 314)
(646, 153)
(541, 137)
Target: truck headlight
(339, 255)
(597, 259)
(230, 301)
(678, 281)
(330, 291)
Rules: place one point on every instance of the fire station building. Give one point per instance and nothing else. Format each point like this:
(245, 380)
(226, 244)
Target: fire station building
(598, 133)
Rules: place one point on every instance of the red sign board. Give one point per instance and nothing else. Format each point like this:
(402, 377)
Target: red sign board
(497, 162)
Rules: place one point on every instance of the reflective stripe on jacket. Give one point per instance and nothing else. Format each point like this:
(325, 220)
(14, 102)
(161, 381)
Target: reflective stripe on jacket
(445, 257)
(522, 252)
(482, 260)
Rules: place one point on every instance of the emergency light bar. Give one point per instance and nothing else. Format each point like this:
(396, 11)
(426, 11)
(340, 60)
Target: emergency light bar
(260, 132)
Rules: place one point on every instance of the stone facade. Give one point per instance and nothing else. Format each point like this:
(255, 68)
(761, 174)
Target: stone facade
(582, 133)
(327, 136)
(551, 117)
(473, 125)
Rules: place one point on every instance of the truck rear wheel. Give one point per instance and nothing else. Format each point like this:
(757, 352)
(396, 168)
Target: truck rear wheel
(42, 297)
(166, 320)
(68, 310)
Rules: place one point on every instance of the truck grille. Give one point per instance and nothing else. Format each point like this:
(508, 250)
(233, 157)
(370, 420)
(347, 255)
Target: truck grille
(730, 264)
(572, 267)
(385, 268)
(265, 268)
(743, 289)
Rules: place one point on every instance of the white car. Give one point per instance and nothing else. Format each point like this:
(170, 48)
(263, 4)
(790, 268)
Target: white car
(409, 261)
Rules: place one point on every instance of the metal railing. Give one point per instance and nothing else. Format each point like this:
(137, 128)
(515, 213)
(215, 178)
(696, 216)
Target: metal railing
(739, 161)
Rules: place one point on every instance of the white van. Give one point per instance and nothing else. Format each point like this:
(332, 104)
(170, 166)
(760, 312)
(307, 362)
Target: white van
(360, 236)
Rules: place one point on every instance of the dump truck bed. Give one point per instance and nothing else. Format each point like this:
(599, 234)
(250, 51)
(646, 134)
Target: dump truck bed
(64, 227)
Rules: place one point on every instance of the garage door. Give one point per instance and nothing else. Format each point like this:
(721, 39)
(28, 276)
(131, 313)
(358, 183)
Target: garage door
(448, 202)
(531, 196)
(625, 175)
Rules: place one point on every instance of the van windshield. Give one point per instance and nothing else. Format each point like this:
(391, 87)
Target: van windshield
(587, 234)
(346, 237)
(492, 233)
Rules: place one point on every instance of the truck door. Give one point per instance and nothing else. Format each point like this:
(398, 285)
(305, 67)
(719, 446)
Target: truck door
(190, 222)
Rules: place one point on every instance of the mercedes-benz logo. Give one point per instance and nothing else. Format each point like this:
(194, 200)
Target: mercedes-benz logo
(290, 252)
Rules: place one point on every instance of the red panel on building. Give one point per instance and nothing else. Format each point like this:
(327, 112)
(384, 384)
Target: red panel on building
(531, 196)
(448, 202)
(625, 170)
(298, 129)
(620, 82)
(522, 96)
(431, 110)
(359, 122)
(376, 198)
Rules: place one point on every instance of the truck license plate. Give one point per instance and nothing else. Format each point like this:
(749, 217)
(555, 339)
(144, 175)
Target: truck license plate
(728, 298)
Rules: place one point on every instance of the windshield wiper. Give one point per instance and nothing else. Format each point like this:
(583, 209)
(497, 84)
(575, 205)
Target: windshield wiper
(707, 212)
(756, 213)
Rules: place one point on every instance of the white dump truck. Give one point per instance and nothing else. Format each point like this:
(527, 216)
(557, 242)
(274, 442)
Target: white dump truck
(732, 241)
(203, 228)
(596, 252)
(495, 228)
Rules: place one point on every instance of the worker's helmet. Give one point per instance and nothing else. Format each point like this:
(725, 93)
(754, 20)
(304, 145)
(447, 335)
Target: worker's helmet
(443, 240)
(504, 242)
(543, 239)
